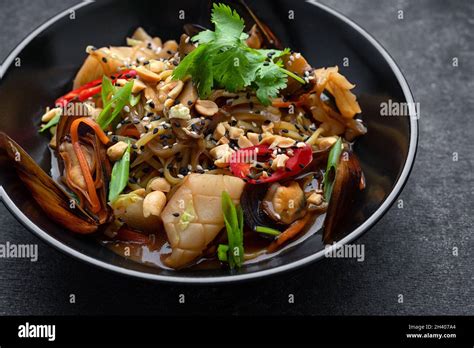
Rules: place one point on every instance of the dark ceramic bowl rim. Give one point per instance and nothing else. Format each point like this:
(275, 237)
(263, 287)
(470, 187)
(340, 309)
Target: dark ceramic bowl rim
(366, 225)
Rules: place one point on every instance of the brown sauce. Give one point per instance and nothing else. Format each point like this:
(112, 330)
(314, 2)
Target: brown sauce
(153, 253)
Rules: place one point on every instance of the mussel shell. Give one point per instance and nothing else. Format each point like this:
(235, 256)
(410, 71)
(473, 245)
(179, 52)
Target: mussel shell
(347, 184)
(251, 201)
(51, 197)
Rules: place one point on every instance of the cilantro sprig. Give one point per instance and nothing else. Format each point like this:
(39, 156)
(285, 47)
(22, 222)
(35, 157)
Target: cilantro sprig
(223, 60)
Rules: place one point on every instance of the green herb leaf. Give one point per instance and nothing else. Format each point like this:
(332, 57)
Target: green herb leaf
(236, 68)
(115, 106)
(329, 176)
(224, 60)
(270, 80)
(229, 25)
(198, 65)
(119, 177)
(267, 230)
(53, 122)
(204, 37)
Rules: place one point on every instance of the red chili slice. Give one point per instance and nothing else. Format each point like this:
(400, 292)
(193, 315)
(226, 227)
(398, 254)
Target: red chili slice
(241, 163)
(92, 88)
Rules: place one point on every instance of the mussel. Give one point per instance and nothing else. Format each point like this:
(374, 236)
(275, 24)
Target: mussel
(251, 203)
(78, 202)
(77, 138)
(348, 181)
(55, 201)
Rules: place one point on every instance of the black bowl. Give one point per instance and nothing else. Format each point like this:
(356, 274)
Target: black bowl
(50, 56)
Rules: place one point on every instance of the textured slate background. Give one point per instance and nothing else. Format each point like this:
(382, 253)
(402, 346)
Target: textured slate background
(409, 252)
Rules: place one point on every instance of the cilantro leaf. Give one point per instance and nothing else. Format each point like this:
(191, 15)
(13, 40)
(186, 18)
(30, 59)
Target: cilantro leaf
(236, 69)
(198, 65)
(229, 25)
(270, 80)
(223, 59)
(204, 37)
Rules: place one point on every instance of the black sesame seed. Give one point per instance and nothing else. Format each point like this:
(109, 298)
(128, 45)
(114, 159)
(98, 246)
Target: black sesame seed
(175, 63)
(176, 124)
(128, 76)
(266, 64)
(152, 105)
(142, 147)
(135, 147)
(183, 171)
(136, 121)
(301, 165)
(267, 122)
(248, 95)
(169, 52)
(190, 102)
(175, 214)
(104, 59)
(285, 130)
(165, 126)
(155, 130)
(288, 169)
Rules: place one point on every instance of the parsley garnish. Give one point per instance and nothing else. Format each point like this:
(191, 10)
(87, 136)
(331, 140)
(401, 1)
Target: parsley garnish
(223, 59)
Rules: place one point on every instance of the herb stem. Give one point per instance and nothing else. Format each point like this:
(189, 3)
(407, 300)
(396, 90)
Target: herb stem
(293, 75)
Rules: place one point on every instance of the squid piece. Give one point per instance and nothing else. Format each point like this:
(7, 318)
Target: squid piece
(193, 217)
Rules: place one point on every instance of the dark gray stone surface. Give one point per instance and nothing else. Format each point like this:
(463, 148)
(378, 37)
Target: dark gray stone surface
(409, 252)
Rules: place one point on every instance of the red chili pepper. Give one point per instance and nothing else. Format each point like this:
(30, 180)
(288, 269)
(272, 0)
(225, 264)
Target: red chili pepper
(240, 163)
(126, 234)
(92, 88)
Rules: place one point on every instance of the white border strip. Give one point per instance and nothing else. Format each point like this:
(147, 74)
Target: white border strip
(232, 278)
